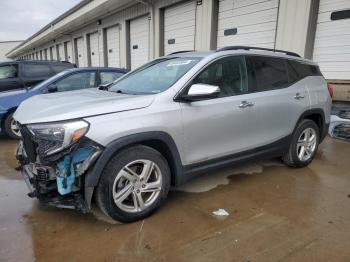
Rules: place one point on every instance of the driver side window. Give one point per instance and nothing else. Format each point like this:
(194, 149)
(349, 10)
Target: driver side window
(228, 73)
(76, 81)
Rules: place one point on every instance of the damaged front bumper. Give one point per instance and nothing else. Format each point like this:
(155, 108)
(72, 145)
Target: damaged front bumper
(60, 183)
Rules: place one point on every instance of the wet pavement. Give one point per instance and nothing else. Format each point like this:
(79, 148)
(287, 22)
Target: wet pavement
(276, 214)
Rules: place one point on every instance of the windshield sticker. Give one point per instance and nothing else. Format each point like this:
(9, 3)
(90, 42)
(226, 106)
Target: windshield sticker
(179, 63)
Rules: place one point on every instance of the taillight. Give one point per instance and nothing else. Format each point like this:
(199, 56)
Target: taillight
(330, 89)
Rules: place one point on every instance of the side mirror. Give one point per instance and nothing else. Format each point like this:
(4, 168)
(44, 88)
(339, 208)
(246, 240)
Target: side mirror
(200, 92)
(51, 89)
(104, 86)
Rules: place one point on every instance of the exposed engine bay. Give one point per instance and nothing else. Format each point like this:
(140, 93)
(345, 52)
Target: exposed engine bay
(58, 179)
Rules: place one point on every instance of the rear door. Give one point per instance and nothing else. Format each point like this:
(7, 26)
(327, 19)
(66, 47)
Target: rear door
(278, 102)
(9, 77)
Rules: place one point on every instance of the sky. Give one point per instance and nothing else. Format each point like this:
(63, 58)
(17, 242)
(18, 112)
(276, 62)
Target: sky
(20, 19)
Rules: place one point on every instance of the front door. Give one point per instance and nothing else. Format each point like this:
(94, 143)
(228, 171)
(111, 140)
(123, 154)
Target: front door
(223, 125)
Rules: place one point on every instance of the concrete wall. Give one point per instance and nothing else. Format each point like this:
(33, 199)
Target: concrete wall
(6, 47)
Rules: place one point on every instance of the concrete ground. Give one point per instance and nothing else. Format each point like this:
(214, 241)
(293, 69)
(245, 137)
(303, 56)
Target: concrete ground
(275, 214)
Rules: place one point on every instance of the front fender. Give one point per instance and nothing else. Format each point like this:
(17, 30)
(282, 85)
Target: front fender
(93, 176)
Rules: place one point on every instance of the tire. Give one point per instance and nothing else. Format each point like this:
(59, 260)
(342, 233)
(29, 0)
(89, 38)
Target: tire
(115, 180)
(295, 157)
(8, 124)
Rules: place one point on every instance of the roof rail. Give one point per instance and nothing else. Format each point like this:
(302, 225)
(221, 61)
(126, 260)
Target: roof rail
(238, 47)
(179, 52)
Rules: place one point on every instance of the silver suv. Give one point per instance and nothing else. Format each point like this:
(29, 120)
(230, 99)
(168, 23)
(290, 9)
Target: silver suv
(165, 122)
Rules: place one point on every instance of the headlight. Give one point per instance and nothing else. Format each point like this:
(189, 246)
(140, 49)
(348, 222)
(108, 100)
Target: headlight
(52, 138)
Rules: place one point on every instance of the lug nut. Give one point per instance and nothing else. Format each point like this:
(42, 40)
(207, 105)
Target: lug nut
(143, 186)
(137, 191)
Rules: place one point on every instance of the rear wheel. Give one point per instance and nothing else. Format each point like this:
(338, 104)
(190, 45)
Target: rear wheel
(304, 144)
(133, 184)
(11, 127)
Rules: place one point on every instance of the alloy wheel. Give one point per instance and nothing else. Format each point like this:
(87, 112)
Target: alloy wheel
(137, 186)
(306, 144)
(14, 128)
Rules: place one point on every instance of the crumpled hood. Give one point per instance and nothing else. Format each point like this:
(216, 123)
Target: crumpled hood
(77, 104)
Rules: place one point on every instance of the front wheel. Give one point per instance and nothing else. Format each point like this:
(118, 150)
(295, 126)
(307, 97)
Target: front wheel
(11, 127)
(304, 144)
(134, 184)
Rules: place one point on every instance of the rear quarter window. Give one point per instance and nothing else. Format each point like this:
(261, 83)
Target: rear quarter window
(298, 70)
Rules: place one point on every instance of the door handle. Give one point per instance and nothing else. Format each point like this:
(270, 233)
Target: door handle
(298, 96)
(245, 104)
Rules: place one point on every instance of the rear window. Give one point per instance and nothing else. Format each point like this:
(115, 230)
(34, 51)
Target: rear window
(270, 73)
(36, 70)
(298, 70)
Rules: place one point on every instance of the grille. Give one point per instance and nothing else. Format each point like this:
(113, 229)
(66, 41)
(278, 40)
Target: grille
(342, 131)
(344, 114)
(28, 144)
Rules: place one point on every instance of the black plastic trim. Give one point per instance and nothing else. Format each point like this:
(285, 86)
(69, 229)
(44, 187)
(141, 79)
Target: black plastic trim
(112, 148)
(274, 149)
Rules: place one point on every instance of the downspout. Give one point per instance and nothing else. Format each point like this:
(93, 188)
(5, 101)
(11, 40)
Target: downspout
(149, 4)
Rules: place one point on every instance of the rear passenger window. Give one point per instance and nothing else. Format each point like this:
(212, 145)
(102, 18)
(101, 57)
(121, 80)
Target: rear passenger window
(270, 73)
(228, 73)
(36, 70)
(109, 77)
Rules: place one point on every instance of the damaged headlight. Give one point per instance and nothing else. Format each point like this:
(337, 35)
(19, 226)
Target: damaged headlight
(52, 138)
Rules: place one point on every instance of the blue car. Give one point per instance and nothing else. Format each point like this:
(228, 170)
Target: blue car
(68, 80)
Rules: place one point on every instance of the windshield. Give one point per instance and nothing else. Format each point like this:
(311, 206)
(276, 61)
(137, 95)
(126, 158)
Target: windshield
(154, 77)
(42, 84)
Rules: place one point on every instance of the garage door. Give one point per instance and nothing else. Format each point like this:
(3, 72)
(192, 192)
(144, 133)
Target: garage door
(80, 52)
(179, 27)
(113, 46)
(69, 51)
(139, 41)
(94, 47)
(332, 39)
(54, 53)
(247, 22)
(60, 52)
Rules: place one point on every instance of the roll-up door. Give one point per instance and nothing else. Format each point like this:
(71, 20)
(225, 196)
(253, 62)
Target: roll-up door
(94, 49)
(332, 39)
(80, 52)
(179, 27)
(113, 46)
(69, 52)
(139, 41)
(54, 53)
(247, 22)
(60, 52)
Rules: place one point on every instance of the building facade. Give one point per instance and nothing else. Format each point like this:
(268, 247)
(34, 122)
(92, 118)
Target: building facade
(128, 33)
(5, 47)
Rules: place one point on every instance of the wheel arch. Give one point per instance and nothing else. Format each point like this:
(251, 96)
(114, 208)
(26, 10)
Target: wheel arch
(160, 141)
(317, 115)
(9, 111)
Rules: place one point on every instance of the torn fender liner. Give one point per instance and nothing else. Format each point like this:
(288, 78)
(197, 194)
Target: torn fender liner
(67, 169)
